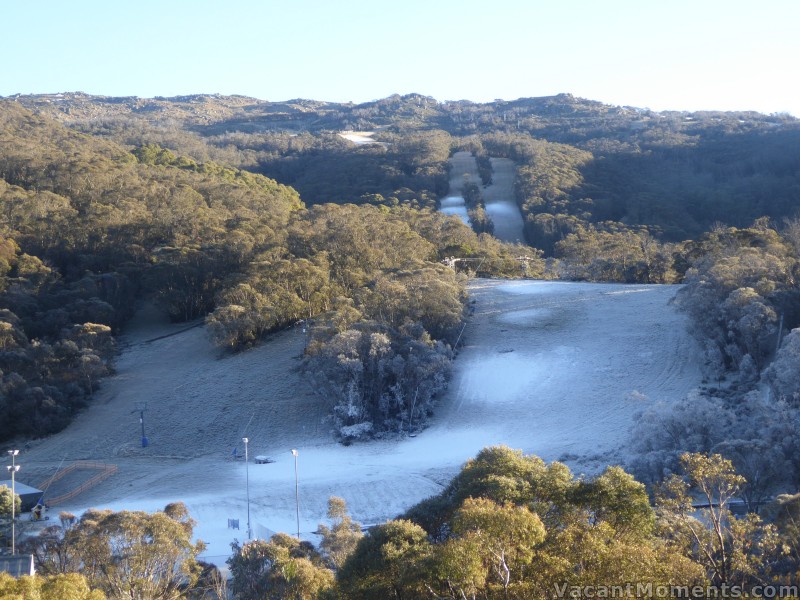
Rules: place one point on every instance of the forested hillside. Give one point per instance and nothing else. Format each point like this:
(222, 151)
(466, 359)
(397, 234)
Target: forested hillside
(92, 229)
(677, 173)
(607, 190)
(109, 202)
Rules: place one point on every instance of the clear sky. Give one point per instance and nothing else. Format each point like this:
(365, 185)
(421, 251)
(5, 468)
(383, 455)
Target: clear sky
(674, 54)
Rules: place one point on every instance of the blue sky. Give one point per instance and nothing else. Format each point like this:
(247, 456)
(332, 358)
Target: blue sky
(682, 55)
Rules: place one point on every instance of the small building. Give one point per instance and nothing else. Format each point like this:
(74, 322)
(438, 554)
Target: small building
(17, 566)
(29, 496)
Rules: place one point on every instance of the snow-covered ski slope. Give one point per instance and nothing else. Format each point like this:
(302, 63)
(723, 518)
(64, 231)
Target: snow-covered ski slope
(556, 369)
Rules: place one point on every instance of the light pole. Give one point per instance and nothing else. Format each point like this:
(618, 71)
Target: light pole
(296, 494)
(247, 475)
(13, 468)
(141, 410)
(141, 422)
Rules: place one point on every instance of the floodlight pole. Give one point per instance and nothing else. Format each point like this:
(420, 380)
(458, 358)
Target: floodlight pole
(141, 410)
(141, 420)
(247, 485)
(13, 468)
(296, 494)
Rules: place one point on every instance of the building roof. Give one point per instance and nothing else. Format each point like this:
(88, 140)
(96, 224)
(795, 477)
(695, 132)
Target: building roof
(17, 566)
(20, 488)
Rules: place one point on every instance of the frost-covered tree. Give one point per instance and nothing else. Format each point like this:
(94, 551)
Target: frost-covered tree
(730, 289)
(379, 379)
(758, 434)
(732, 550)
(783, 374)
(751, 323)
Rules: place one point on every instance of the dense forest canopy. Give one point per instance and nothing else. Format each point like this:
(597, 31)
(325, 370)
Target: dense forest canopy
(677, 173)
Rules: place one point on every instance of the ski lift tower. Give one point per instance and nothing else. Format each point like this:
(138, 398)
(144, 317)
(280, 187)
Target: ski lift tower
(141, 410)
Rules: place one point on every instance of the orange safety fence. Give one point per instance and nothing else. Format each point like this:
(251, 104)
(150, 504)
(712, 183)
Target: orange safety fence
(105, 471)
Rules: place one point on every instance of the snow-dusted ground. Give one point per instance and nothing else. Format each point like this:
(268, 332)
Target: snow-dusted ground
(547, 367)
(463, 170)
(454, 205)
(360, 137)
(498, 197)
(500, 205)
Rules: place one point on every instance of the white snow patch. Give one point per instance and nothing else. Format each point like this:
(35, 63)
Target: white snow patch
(452, 202)
(454, 205)
(502, 210)
(360, 137)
